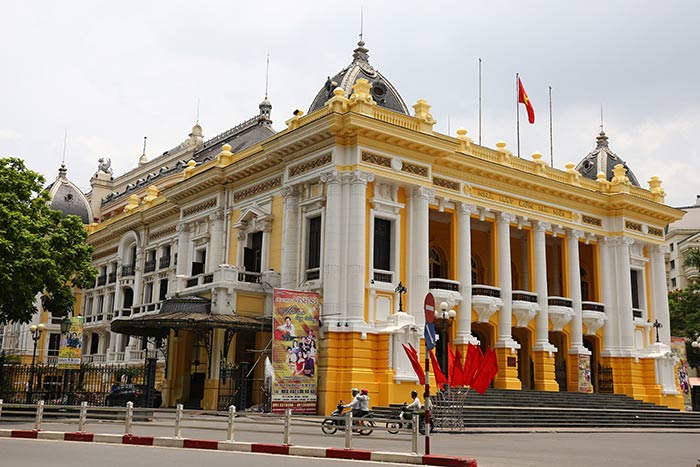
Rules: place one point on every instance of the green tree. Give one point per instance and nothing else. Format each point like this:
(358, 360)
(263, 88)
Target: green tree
(684, 308)
(691, 258)
(40, 250)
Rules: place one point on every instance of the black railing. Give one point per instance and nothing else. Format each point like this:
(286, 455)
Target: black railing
(313, 274)
(387, 277)
(191, 282)
(592, 306)
(525, 297)
(164, 262)
(637, 313)
(208, 278)
(149, 266)
(101, 280)
(112, 278)
(127, 270)
(438, 284)
(560, 301)
(485, 291)
(606, 384)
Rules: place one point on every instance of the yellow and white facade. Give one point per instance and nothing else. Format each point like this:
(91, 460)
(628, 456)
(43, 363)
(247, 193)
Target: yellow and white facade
(543, 265)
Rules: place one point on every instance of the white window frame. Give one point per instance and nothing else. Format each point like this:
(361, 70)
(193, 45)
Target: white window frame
(305, 232)
(395, 271)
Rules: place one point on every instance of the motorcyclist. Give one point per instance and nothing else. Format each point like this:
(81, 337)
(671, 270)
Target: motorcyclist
(359, 403)
(408, 410)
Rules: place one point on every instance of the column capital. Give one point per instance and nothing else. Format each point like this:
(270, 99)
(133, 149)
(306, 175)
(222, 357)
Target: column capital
(423, 193)
(291, 191)
(331, 177)
(216, 214)
(506, 218)
(575, 233)
(466, 208)
(659, 249)
(361, 177)
(626, 241)
(542, 226)
(242, 235)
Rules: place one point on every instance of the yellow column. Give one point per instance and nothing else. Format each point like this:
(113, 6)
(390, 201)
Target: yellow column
(507, 376)
(544, 372)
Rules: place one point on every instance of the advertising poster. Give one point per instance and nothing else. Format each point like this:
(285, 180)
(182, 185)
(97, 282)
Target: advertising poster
(678, 350)
(584, 374)
(294, 350)
(71, 348)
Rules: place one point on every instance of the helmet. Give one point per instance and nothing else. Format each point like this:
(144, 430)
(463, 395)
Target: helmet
(364, 391)
(355, 391)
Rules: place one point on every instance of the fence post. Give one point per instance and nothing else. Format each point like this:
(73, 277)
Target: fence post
(287, 424)
(39, 415)
(414, 434)
(348, 430)
(178, 421)
(128, 418)
(231, 418)
(83, 416)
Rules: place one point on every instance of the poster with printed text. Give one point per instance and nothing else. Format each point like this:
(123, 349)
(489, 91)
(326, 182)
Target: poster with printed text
(584, 374)
(70, 351)
(679, 351)
(294, 351)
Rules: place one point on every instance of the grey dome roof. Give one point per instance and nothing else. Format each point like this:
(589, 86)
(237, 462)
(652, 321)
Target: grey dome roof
(67, 197)
(383, 92)
(602, 159)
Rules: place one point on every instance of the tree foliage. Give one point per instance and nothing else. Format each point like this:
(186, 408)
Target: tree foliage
(40, 250)
(684, 307)
(691, 258)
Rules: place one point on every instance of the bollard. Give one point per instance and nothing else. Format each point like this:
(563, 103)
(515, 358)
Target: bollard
(39, 415)
(128, 418)
(0, 408)
(83, 417)
(178, 421)
(287, 425)
(414, 433)
(348, 430)
(231, 419)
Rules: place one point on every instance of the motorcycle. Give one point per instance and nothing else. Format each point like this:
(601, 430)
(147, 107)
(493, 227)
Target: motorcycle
(399, 422)
(364, 425)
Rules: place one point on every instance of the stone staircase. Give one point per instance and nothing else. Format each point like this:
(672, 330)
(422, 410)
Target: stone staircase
(499, 408)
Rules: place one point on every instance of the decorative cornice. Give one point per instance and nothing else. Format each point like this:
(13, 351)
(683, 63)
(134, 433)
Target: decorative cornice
(590, 220)
(376, 159)
(257, 189)
(199, 208)
(414, 169)
(163, 232)
(444, 183)
(310, 165)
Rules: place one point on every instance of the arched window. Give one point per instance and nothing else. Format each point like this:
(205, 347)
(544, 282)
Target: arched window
(584, 285)
(438, 264)
(477, 271)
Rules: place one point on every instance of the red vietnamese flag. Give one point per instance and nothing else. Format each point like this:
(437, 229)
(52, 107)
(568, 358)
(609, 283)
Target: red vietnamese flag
(487, 371)
(471, 363)
(440, 378)
(524, 99)
(458, 374)
(413, 358)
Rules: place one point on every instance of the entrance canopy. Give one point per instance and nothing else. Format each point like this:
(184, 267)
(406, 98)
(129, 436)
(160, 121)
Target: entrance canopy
(190, 313)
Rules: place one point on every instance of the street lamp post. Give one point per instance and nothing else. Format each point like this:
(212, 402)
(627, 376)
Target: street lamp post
(36, 335)
(400, 289)
(446, 316)
(66, 324)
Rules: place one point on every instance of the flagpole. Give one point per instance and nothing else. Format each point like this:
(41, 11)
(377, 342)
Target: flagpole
(551, 140)
(426, 398)
(517, 108)
(479, 101)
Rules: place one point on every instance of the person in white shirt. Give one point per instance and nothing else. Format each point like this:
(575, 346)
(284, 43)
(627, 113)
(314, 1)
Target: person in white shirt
(360, 403)
(416, 405)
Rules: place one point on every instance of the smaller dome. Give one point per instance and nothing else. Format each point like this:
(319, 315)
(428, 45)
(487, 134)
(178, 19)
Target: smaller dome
(603, 160)
(196, 130)
(67, 197)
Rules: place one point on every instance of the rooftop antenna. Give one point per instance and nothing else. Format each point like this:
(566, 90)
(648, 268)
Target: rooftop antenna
(267, 74)
(448, 125)
(602, 130)
(196, 122)
(65, 139)
(144, 145)
(362, 22)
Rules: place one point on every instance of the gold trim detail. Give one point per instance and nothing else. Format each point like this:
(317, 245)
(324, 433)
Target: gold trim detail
(259, 188)
(590, 220)
(376, 159)
(414, 169)
(444, 183)
(655, 231)
(629, 225)
(199, 208)
(521, 203)
(309, 165)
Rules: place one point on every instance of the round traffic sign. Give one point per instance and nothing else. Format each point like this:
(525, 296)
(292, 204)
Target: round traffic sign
(429, 307)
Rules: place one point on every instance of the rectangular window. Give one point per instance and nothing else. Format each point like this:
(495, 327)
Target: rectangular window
(54, 344)
(382, 244)
(313, 259)
(635, 289)
(672, 245)
(252, 254)
(148, 292)
(673, 283)
(163, 290)
(200, 258)
(673, 264)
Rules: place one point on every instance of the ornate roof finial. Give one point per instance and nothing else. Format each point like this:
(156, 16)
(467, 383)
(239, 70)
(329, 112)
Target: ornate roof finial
(143, 159)
(360, 53)
(62, 170)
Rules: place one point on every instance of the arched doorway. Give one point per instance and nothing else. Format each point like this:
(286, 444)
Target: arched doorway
(592, 343)
(483, 332)
(559, 340)
(526, 365)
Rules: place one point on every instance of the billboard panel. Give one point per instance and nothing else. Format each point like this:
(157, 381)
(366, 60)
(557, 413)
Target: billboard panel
(71, 349)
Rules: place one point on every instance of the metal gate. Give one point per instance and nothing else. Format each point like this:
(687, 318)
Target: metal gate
(560, 375)
(605, 380)
(234, 386)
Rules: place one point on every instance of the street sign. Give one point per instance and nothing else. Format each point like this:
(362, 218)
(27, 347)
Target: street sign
(429, 307)
(429, 335)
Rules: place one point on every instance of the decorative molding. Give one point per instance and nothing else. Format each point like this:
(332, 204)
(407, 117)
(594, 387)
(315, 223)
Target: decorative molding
(444, 183)
(257, 189)
(199, 208)
(163, 232)
(415, 169)
(104, 253)
(376, 159)
(629, 225)
(655, 231)
(590, 220)
(310, 165)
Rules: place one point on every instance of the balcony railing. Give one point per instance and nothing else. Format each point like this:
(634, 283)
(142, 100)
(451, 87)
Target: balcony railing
(128, 270)
(149, 266)
(101, 280)
(443, 284)
(112, 278)
(313, 274)
(593, 306)
(379, 275)
(486, 291)
(560, 301)
(145, 308)
(637, 313)
(252, 277)
(524, 296)
(164, 262)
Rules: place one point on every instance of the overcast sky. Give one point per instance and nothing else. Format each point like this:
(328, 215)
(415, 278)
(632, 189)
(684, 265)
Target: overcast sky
(113, 72)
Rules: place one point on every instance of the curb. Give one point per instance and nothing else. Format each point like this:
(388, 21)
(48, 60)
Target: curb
(281, 449)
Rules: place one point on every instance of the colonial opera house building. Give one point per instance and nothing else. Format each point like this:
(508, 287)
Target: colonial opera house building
(557, 270)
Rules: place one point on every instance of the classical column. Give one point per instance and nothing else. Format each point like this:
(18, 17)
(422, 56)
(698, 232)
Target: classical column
(419, 251)
(505, 314)
(138, 276)
(290, 240)
(624, 296)
(265, 251)
(355, 278)
(540, 260)
(464, 273)
(332, 246)
(659, 293)
(607, 252)
(216, 241)
(574, 276)
(183, 248)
